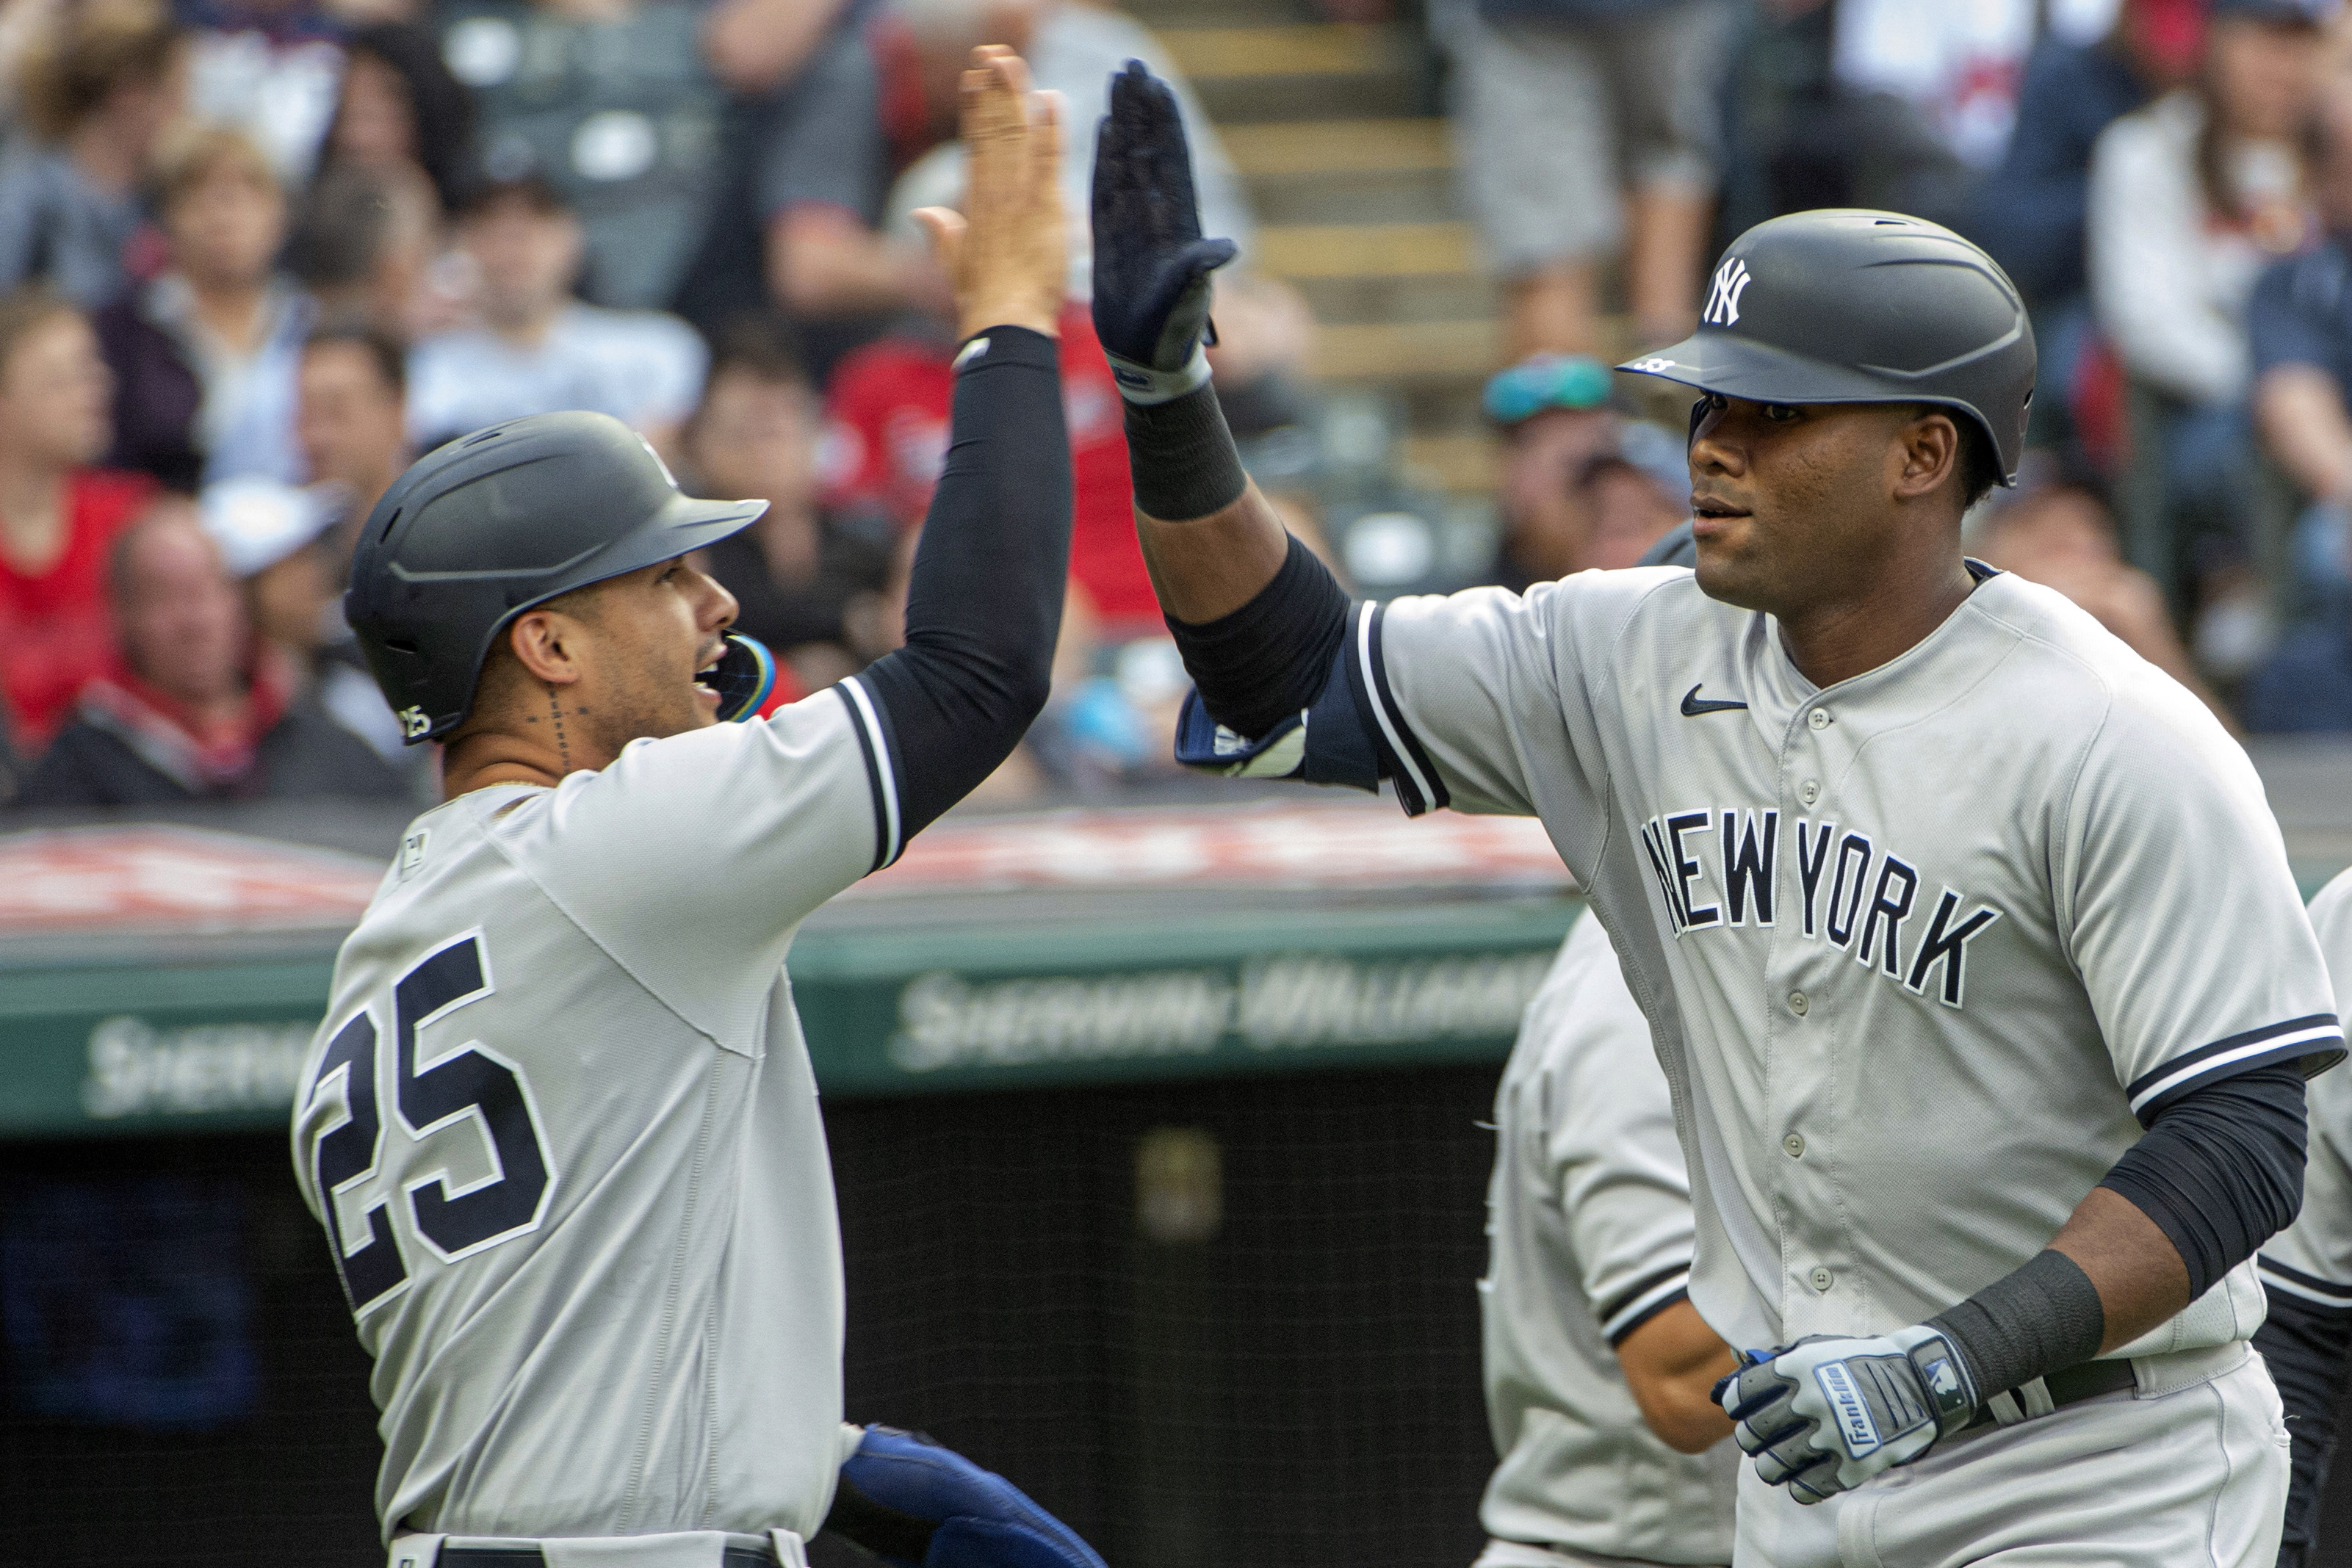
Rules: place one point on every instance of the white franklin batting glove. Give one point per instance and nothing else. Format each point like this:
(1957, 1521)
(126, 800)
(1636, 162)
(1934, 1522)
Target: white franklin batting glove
(1824, 1415)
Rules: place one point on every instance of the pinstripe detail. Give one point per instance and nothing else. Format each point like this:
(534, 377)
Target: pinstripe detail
(1417, 782)
(2278, 1276)
(1645, 1300)
(2315, 1034)
(874, 741)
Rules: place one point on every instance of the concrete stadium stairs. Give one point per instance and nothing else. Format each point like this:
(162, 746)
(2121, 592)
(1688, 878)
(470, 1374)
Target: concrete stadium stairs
(1333, 127)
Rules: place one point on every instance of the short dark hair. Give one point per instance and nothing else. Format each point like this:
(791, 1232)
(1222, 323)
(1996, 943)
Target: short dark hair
(390, 359)
(1980, 461)
(533, 190)
(762, 346)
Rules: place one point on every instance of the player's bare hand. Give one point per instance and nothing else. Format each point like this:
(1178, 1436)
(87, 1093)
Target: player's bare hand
(1008, 251)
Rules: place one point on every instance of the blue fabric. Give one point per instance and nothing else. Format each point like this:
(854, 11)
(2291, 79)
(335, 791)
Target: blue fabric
(2306, 686)
(985, 1521)
(2300, 312)
(2030, 212)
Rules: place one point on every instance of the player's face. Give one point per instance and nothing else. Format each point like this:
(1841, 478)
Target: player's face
(652, 634)
(1791, 503)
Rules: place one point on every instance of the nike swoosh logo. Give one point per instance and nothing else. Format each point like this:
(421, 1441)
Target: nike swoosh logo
(1694, 706)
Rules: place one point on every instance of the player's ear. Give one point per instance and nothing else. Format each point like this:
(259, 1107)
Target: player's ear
(545, 642)
(1927, 448)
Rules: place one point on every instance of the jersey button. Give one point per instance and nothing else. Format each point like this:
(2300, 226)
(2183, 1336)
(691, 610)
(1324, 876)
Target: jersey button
(1818, 718)
(1798, 1003)
(1822, 1278)
(1810, 791)
(1795, 1144)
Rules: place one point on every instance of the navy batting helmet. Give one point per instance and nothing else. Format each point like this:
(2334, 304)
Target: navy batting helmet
(1845, 305)
(482, 529)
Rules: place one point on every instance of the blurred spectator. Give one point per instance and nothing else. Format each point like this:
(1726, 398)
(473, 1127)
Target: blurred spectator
(1587, 131)
(2299, 323)
(205, 355)
(1627, 482)
(754, 45)
(799, 568)
(400, 109)
(269, 68)
(350, 416)
(97, 85)
(538, 348)
(2061, 536)
(193, 706)
(1802, 137)
(1958, 66)
(612, 104)
(2190, 198)
(2030, 210)
(367, 248)
(920, 48)
(58, 517)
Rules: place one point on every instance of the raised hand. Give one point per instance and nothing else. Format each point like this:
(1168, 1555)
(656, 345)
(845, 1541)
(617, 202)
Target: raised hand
(1007, 252)
(1151, 264)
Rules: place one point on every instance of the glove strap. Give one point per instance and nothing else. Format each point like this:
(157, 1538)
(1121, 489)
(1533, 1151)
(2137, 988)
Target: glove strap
(1142, 384)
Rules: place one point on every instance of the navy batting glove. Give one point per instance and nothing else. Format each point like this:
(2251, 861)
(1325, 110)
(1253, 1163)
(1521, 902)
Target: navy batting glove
(1151, 266)
(917, 1504)
(1824, 1415)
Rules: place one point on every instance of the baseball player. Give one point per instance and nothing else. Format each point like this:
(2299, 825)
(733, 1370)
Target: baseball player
(1915, 870)
(558, 1123)
(2306, 1270)
(1597, 1366)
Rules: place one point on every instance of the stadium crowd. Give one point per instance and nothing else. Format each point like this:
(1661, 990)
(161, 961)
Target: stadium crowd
(258, 253)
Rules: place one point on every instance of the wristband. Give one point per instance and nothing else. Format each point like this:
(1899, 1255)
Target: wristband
(1183, 458)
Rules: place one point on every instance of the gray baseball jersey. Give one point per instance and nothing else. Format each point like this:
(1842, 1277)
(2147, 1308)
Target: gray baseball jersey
(1589, 1226)
(560, 1125)
(1923, 953)
(2312, 1258)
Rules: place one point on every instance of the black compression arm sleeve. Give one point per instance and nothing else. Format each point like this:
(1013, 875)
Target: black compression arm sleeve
(1268, 660)
(2029, 1323)
(985, 602)
(2222, 1170)
(2308, 1346)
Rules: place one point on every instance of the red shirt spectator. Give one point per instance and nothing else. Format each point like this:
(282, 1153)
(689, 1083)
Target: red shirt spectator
(888, 413)
(59, 518)
(56, 631)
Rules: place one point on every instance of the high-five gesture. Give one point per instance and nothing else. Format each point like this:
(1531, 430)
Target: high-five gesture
(1151, 266)
(1008, 252)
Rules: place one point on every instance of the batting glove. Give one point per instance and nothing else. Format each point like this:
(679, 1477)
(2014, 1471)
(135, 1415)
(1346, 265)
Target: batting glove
(917, 1504)
(1824, 1415)
(1151, 266)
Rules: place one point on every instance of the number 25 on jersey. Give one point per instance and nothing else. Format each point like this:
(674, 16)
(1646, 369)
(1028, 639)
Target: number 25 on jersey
(464, 1093)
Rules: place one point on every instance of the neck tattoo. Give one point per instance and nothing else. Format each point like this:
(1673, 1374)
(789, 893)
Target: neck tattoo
(562, 745)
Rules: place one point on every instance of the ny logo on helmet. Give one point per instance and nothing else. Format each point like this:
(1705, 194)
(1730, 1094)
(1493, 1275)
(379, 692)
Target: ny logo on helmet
(1723, 299)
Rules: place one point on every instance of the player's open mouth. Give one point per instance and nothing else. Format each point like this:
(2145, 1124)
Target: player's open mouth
(1707, 507)
(701, 677)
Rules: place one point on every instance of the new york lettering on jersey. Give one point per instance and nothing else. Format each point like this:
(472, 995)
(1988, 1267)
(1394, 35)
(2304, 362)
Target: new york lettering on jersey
(1859, 900)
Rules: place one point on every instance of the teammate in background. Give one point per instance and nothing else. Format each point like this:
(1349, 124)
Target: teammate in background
(1597, 1366)
(1914, 868)
(2306, 1268)
(560, 1123)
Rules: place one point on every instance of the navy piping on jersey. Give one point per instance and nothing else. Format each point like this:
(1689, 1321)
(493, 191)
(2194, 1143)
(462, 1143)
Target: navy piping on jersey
(2320, 1293)
(2315, 1035)
(1644, 1300)
(866, 717)
(1419, 787)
